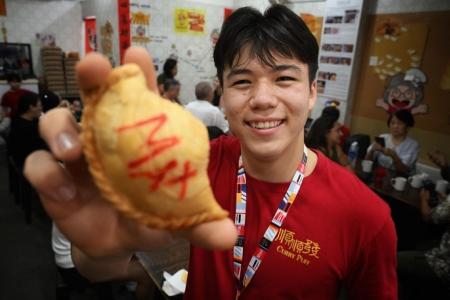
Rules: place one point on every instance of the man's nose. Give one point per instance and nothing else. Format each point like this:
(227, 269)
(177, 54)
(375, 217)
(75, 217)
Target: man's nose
(263, 96)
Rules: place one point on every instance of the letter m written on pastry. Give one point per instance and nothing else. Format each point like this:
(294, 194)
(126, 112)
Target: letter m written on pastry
(155, 147)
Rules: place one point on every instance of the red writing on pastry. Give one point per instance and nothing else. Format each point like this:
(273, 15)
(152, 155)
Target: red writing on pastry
(156, 146)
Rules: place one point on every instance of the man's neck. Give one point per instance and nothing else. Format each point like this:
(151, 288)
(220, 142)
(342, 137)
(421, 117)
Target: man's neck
(279, 169)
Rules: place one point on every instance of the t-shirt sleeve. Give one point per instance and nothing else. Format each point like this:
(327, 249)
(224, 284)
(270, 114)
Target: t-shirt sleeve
(374, 275)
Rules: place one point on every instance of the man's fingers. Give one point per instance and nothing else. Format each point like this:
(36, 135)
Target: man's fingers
(60, 131)
(219, 235)
(54, 185)
(142, 58)
(92, 72)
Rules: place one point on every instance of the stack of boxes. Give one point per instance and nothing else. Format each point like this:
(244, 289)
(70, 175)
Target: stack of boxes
(69, 71)
(59, 71)
(52, 62)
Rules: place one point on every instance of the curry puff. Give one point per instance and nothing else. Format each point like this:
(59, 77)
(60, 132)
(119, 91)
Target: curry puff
(148, 156)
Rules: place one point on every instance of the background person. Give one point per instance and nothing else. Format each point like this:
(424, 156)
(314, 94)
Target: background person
(24, 135)
(10, 98)
(172, 90)
(400, 151)
(202, 108)
(170, 70)
(325, 136)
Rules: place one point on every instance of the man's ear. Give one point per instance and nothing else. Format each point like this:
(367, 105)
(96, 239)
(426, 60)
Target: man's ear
(312, 95)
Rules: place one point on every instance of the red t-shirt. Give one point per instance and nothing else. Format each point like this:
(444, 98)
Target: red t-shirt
(10, 99)
(338, 232)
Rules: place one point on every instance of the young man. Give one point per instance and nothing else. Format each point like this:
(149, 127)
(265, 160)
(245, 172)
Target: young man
(10, 99)
(335, 233)
(203, 109)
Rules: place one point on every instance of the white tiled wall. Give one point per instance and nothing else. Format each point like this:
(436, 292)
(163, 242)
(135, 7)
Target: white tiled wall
(61, 18)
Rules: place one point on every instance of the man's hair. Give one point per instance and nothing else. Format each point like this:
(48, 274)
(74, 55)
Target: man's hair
(404, 116)
(169, 83)
(13, 77)
(202, 90)
(278, 31)
(25, 101)
(168, 67)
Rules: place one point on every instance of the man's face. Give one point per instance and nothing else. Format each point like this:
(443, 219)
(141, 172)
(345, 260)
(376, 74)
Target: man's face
(267, 107)
(15, 84)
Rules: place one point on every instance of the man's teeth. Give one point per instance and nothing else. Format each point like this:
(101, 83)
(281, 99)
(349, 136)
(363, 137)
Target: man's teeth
(265, 125)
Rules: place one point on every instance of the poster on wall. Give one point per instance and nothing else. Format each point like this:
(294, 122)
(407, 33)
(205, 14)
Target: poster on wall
(189, 21)
(397, 47)
(90, 35)
(314, 24)
(337, 53)
(140, 25)
(192, 44)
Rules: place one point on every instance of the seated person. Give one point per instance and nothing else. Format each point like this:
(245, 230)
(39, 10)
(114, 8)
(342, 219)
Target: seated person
(170, 70)
(10, 99)
(49, 100)
(204, 110)
(325, 135)
(400, 151)
(172, 90)
(334, 113)
(438, 158)
(24, 135)
(428, 271)
(5, 122)
(63, 259)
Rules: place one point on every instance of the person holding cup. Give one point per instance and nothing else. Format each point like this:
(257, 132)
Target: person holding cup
(396, 150)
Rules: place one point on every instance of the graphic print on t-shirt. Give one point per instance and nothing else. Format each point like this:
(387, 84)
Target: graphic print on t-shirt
(298, 250)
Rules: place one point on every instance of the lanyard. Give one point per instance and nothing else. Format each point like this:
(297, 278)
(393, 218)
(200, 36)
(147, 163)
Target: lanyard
(272, 229)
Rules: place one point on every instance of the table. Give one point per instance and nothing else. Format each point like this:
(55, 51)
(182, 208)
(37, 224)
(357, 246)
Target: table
(409, 196)
(405, 208)
(170, 258)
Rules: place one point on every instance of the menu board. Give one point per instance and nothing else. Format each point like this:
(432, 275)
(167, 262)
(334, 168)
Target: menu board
(337, 52)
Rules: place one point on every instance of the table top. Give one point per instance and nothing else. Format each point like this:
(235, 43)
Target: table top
(409, 196)
(170, 258)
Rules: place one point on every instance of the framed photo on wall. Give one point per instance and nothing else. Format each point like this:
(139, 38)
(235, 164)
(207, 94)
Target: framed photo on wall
(16, 58)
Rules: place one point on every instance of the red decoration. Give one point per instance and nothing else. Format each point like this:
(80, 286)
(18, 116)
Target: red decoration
(90, 35)
(124, 26)
(226, 13)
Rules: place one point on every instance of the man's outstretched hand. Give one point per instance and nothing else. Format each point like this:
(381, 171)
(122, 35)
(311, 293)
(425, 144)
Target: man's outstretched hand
(70, 196)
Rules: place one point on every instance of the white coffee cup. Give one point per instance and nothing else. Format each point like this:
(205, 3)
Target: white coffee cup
(441, 186)
(416, 181)
(399, 183)
(367, 165)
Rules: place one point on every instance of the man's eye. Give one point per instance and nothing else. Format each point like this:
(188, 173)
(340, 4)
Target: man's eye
(241, 82)
(285, 78)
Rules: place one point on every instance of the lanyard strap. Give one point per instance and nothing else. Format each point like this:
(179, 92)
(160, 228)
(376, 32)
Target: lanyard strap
(272, 229)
